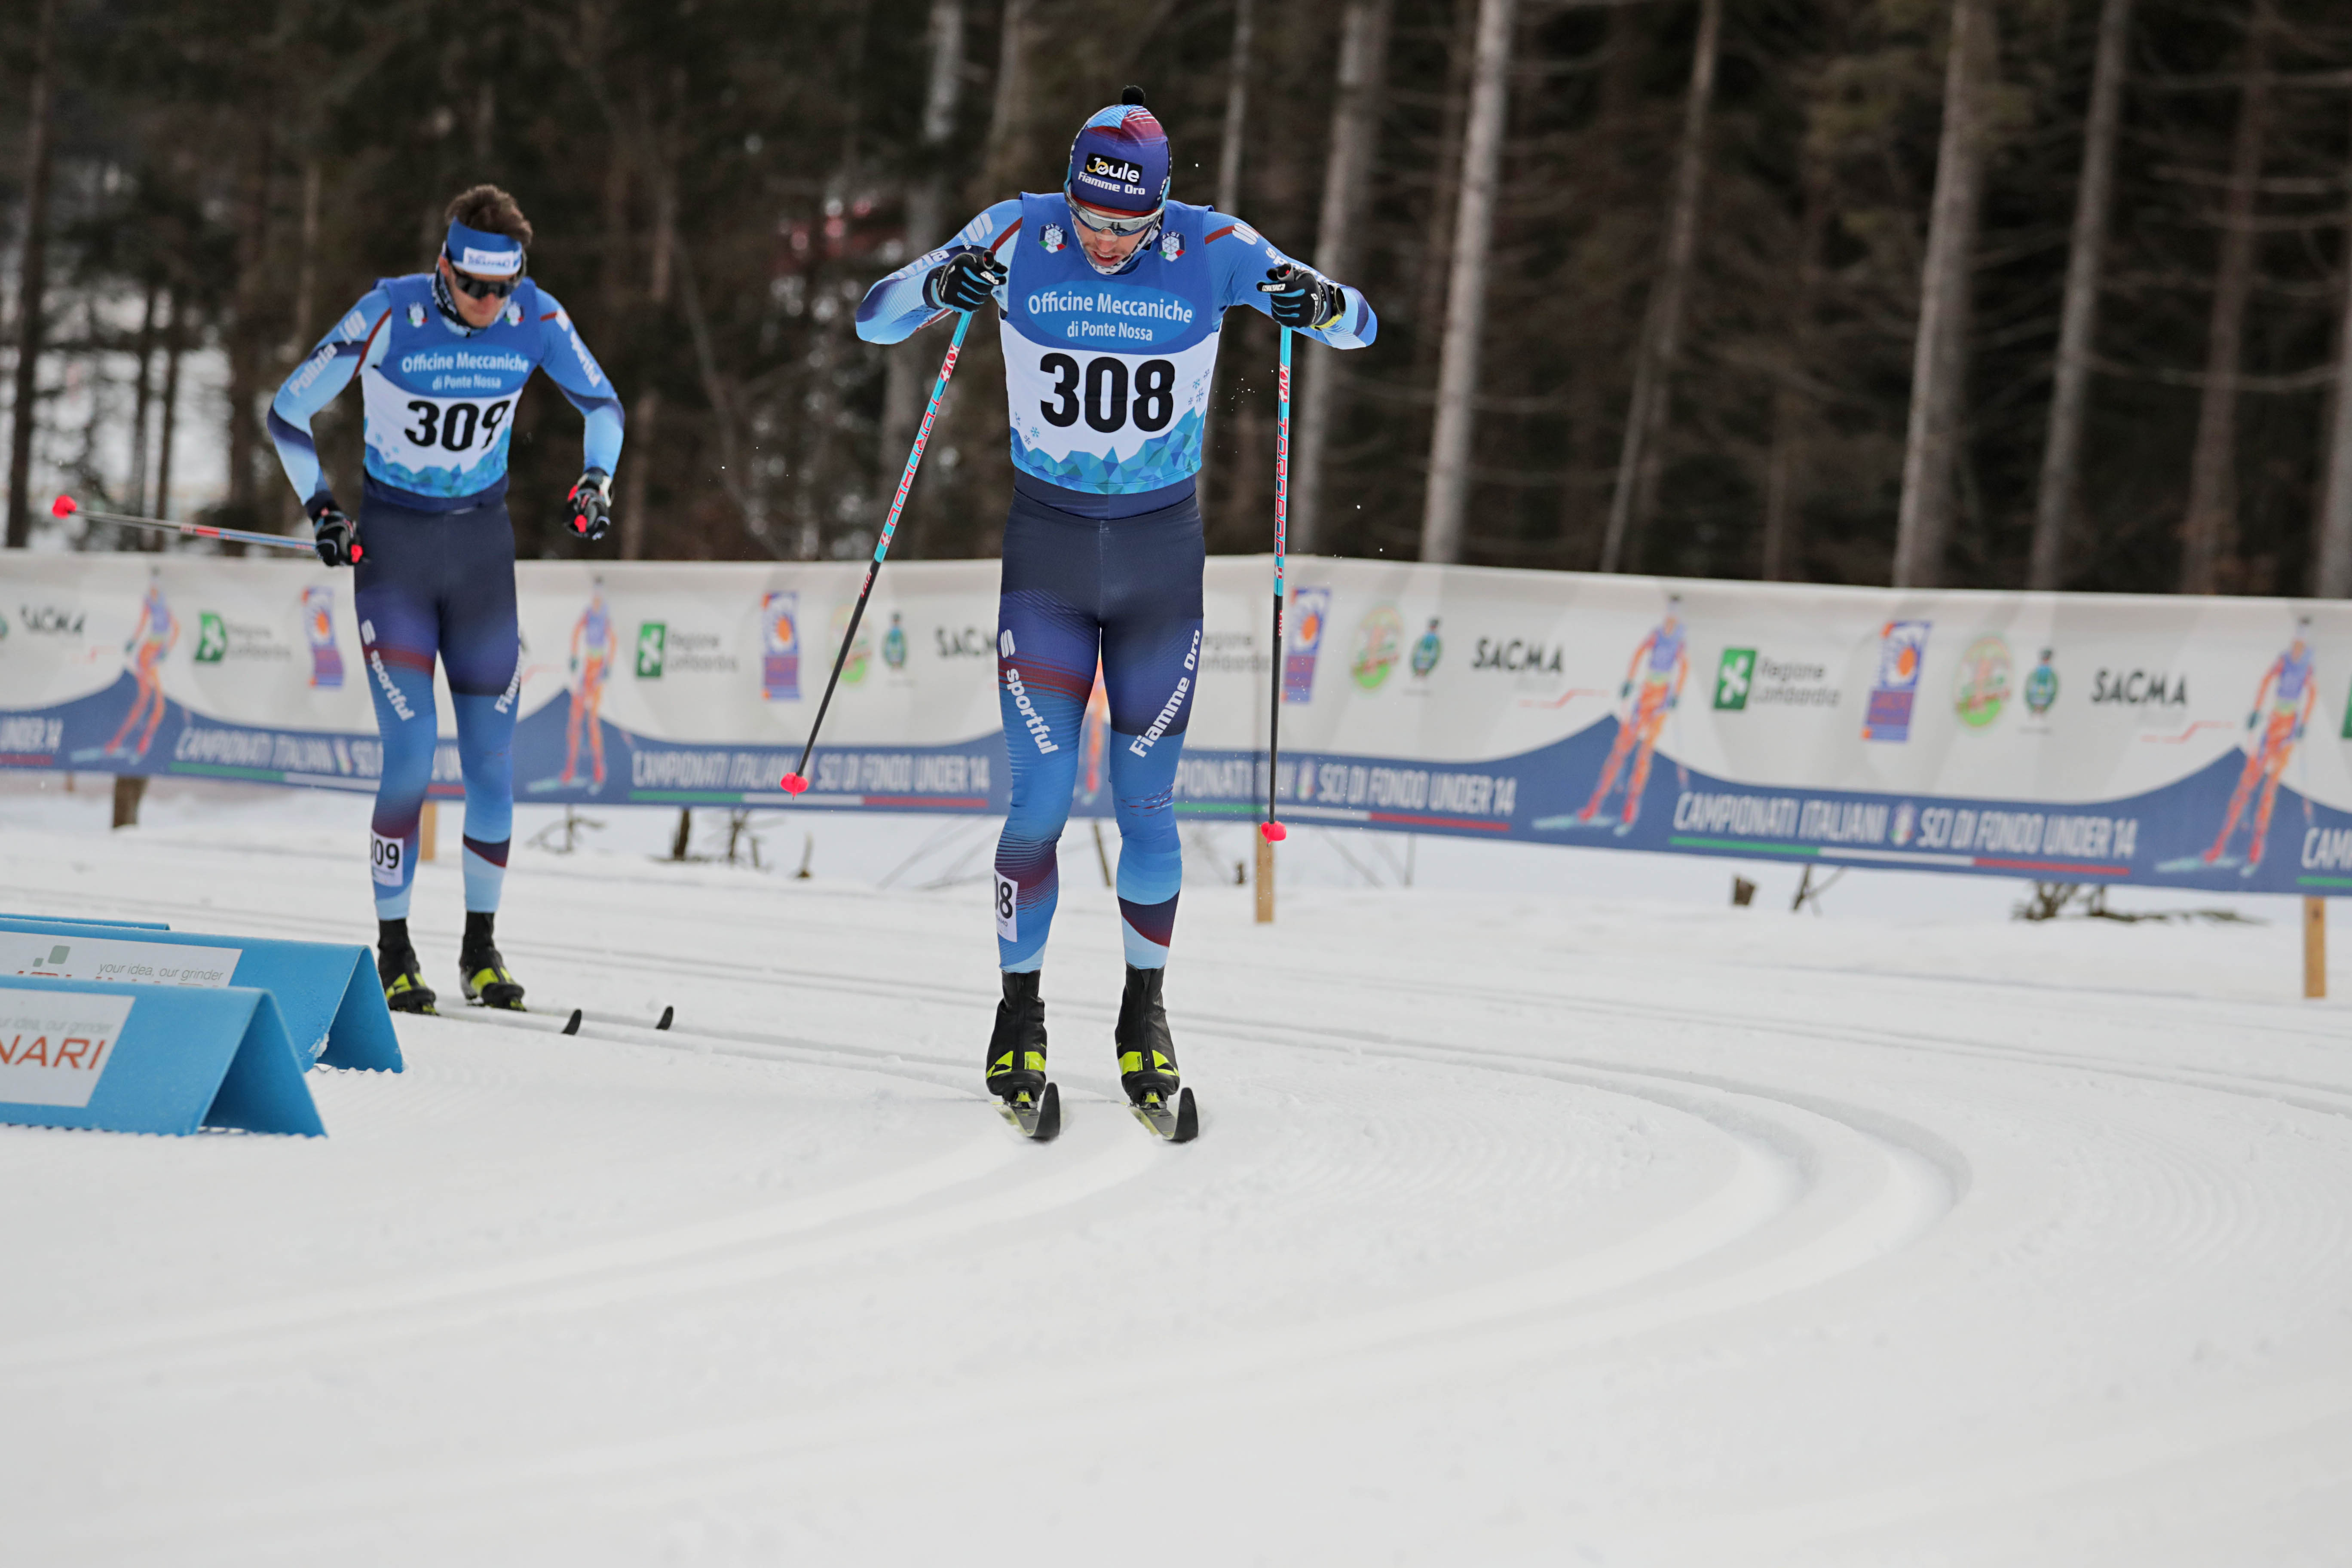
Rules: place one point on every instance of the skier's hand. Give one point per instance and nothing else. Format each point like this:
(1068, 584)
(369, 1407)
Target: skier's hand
(964, 282)
(1301, 297)
(334, 535)
(591, 504)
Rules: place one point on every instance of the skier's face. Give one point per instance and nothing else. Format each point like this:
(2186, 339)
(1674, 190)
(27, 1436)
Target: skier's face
(475, 311)
(1107, 251)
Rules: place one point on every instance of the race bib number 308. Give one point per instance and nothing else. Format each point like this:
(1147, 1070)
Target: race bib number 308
(1072, 398)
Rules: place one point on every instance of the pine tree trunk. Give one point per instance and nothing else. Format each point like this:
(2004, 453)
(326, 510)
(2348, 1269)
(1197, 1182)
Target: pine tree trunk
(2332, 565)
(1437, 250)
(1939, 361)
(1008, 118)
(907, 378)
(2079, 322)
(32, 274)
(248, 338)
(1229, 151)
(175, 345)
(1465, 294)
(2213, 473)
(1638, 465)
(644, 423)
(1792, 416)
(306, 289)
(969, 484)
(1240, 486)
(1355, 135)
(142, 398)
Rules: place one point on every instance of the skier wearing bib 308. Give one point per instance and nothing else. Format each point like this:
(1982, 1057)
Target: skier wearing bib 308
(442, 357)
(1111, 298)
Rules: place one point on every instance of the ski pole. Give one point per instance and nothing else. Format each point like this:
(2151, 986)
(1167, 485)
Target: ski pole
(65, 506)
(1272, 827)
(796, 781)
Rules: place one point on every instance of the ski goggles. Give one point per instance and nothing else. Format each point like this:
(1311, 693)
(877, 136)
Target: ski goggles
(1102, 222)
(475, 287)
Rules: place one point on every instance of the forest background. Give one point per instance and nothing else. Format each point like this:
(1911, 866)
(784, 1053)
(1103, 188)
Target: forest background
(1989, 293)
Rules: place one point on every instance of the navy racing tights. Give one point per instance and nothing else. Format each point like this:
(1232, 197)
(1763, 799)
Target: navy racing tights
(428, 583)
(1126, 591)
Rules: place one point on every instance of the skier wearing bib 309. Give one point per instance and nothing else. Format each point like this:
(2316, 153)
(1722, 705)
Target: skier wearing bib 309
(1111, 298)
(442, 357)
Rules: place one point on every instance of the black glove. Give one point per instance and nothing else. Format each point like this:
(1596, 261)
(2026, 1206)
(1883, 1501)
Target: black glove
(1302, 297)
(964, 282)
(335, 536)
(591, 501)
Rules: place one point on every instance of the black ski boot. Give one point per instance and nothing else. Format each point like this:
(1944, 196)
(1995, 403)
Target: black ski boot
(1147, 1056)
(481, 971)
(405, 990)
(1017, 1049)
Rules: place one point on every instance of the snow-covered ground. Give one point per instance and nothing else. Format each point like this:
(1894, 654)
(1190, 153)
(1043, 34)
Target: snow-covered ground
(1549, 1210)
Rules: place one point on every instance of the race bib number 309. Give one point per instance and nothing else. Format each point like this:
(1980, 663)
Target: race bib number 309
(422, 433)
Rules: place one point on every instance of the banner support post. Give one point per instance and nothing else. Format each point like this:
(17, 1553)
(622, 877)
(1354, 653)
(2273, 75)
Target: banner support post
(2314, 947)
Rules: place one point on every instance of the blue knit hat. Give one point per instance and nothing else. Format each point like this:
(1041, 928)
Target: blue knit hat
(1119, 159)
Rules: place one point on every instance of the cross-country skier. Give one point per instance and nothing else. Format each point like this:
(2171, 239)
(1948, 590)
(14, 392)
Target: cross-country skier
(592, 661)
(150, 639)
(1652, 690)
(1111, 298)
(2292, 691)
(442, 357)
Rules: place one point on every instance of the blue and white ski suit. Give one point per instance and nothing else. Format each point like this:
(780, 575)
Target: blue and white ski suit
(435, 575)
(1108, 382)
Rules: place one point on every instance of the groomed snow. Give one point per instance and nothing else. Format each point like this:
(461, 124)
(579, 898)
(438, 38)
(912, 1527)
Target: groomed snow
(1547, 1211)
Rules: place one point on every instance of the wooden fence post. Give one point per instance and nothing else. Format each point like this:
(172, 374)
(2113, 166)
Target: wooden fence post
(2314, 947)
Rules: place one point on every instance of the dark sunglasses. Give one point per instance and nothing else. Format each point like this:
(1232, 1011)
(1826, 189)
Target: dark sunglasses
(481, 288)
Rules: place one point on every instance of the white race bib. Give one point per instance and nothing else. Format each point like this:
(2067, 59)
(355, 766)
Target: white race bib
(421, 434)
(386, 857)
(1121, 414)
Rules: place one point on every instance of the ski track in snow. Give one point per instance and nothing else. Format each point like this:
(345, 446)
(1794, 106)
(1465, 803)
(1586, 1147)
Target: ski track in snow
(1520, 1230)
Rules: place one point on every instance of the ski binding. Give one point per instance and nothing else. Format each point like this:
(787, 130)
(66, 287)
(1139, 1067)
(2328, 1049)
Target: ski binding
(1178, 1126)
(1038, 1120)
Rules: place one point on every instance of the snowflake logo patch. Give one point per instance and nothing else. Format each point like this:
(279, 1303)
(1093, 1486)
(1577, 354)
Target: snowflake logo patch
(514, 314)
(1052, 237)
(1172, 246)
(415, 315)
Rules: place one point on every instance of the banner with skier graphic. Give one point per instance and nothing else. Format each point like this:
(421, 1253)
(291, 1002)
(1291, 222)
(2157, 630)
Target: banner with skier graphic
(2197, 743)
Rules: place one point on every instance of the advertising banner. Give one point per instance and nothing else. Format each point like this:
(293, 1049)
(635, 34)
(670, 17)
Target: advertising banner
(2185, 742)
